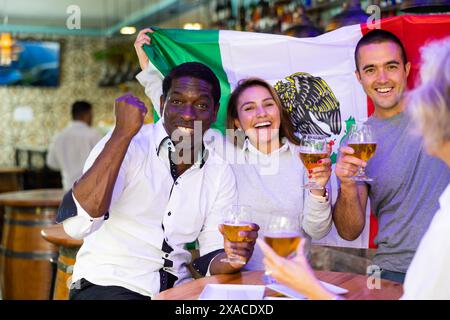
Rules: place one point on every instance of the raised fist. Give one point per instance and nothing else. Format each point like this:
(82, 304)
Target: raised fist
(130, 113)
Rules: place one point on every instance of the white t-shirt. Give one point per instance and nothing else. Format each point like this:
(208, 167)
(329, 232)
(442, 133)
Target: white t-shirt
(428, 276)
(70, 149)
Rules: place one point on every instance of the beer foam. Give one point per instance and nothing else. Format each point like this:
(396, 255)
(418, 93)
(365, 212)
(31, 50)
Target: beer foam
(237, 224)
(365, 142)
(312, 152)
(287, 234)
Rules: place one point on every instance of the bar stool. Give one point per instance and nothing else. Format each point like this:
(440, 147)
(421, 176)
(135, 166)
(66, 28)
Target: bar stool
(68, 248)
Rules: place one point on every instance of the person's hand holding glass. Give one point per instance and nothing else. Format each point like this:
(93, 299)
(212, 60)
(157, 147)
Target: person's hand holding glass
(314, 153)
(362, 140)
(239, 234)
(282, 234)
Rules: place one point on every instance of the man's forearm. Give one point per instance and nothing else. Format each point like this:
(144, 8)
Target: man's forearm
(94, 189)
(348, 212)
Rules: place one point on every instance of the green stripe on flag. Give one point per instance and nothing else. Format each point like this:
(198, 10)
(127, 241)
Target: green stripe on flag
(171, 47)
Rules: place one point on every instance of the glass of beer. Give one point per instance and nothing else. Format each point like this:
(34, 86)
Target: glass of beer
(362, 140)
(237, 219)
(312, 149)
(282, 234)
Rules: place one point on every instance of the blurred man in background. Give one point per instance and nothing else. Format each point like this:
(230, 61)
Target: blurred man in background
(71, 147)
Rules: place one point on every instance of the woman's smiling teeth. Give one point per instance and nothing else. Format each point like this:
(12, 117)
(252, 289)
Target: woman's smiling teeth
(263, 124)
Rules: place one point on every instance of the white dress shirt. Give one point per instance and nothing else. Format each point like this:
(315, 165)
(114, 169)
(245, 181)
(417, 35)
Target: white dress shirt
(70, 149)
(428, 276)
(151, 214)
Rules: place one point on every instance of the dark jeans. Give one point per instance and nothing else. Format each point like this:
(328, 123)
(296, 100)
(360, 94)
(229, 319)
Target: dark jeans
(85, 290)
(393, 276)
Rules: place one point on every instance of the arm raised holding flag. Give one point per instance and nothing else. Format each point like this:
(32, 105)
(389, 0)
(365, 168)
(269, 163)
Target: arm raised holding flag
(141, 39)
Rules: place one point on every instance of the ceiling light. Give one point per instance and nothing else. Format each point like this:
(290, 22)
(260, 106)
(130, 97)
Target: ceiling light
(8, 49)
(128, 30)
(192, 26)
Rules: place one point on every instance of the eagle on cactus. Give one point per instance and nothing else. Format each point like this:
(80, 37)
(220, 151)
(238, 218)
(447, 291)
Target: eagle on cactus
(306, 97)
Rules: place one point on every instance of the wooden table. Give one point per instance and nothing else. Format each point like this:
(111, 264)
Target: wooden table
(355, 283)
(25, 268)
(32, 198)
(68, 249)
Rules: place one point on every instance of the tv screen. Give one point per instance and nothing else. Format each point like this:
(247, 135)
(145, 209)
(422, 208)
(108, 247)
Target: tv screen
(37, 65)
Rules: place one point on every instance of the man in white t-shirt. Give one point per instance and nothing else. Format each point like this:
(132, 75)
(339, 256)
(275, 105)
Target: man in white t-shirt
(71, 147)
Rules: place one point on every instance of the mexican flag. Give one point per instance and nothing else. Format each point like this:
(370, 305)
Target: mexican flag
(313, 76)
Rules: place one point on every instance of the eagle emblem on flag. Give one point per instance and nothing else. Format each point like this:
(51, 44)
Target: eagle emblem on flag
(309, 99)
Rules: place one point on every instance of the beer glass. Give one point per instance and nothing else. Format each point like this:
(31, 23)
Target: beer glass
(282, 234)
(362, 140)
(312, 149)
(238, 218)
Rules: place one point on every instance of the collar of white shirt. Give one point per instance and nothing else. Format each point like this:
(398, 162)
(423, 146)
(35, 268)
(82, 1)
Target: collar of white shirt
(248, 146)
(78, 123)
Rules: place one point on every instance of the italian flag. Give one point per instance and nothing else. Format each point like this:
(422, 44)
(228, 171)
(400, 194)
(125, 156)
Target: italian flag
(322, 66)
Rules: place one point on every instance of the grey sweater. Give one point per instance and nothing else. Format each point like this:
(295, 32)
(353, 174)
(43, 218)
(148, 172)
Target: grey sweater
(404, 194)
(274, 182)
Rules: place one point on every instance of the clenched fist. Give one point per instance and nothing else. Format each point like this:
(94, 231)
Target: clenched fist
(130, 113)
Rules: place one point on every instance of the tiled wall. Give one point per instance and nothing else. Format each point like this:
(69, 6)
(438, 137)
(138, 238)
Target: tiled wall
(80, 74)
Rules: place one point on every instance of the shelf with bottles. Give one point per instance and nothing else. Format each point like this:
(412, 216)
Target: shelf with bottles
(332, 14)
(258, 16)
(390, 8)
(283, 16)
(317, 6)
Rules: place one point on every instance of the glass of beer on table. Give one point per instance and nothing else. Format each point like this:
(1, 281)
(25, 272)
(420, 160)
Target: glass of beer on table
(312, 149)
(282, 234)
(362, 140)
(237, 219)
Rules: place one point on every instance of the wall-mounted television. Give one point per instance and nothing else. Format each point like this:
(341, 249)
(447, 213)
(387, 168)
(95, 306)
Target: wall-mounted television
(38, 64)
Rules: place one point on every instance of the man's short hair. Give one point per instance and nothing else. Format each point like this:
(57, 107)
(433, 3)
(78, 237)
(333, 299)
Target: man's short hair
(79, 108)
(196, 70)
(379, 36)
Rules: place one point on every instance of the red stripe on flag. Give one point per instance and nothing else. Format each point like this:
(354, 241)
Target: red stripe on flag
(373, 230)
(373, 223)
(414, 31)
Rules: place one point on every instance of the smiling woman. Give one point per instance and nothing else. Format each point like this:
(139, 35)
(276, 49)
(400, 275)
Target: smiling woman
(255, 108)
(259, 117)
(269, 173)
